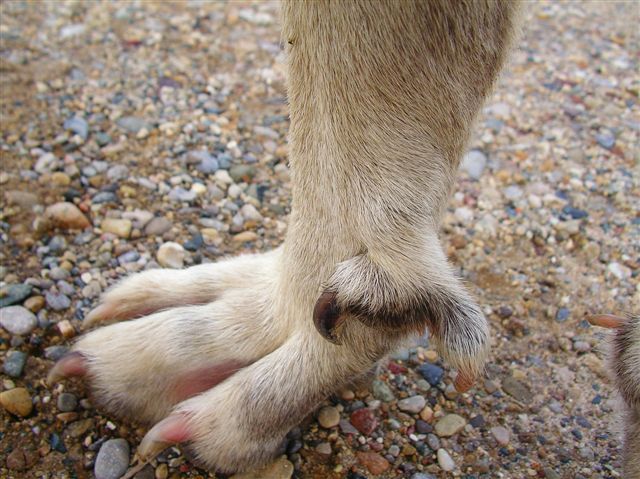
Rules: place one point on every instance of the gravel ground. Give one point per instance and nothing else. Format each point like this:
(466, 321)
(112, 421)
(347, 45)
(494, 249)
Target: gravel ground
(142, 133)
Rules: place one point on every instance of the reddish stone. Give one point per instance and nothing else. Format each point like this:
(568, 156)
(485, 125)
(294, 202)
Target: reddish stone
(375, 463)
(364, 421)
(395, 368)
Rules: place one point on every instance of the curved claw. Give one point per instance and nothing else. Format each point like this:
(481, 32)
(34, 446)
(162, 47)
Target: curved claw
(463, 382)
(71, 364)
(170, 430)
(327, 316)
(610, 321)
(97, 315)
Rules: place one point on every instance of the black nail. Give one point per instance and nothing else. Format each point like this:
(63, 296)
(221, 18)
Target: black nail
(326, 316)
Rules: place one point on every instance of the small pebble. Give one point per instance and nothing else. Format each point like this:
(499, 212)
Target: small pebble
(171, 255)
(382, 391)
(157, 226)
(67, 402)
(14, 363)
(112, 460)
(449, 425)
(324, 448)
(66, 216)
(17, 401)
(364, 421)
(17, 320)
(517, 389)
(474, 163)
(562, 315)
(413, 404)
(374, 462)
(57, 301)
(281, 468)
(501, 435)
(66, 329)
(14, 293)
(328, 417)
(118, 227)
(445, 461)
(35, 303)
(432, 373)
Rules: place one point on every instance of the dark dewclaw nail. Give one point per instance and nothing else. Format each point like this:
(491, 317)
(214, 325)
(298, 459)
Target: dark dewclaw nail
(326, 316)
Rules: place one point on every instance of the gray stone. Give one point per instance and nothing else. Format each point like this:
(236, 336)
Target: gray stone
(413, 404)
(14, 363)
(47, 163)
(445, 461)
(433, 442)
(250, 212)
(157, 226)
(117, 172)
(516, 389)
(449, 425)
(65, 288)
(241, 173)
(102, 139)
(128, 257)
(324, 448)
(132, 124)
(501, 435)
(55, 352)
(512, 192)
(474, 163)
(606, 140)
(382, 391)
(146, 473)
(67, 402)
(618, 270)
(57, 301)
(72, 30)
(180, 194)
(78, 125)
(139, 218)
(14, 293)
(582, 346)
(17, 320)
(105, 197)
(58, 273)
(423, 385)
(206, 163)
(23, 199)
(112, 460)
(100, 166)
(57, 244)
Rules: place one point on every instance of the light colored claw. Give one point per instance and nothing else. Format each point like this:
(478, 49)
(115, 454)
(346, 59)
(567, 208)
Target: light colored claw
(73, 364)
(171, 430)
(97, 315)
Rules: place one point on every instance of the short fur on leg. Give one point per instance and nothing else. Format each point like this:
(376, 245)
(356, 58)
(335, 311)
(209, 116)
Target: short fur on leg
(380, 117)
(623, 360)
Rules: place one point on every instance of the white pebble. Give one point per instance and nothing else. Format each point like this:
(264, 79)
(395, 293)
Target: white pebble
(445, 461)
(171, 255)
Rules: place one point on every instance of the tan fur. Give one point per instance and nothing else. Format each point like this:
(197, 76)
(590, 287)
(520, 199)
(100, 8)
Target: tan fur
(623, 359)
(383, 96)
